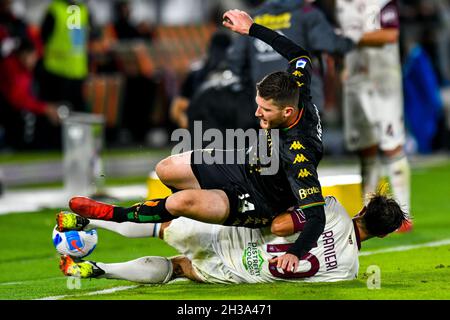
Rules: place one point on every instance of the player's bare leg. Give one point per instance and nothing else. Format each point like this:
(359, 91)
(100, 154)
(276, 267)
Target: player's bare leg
(143, 270)
(176, 172)
(181, 265)
(210, 206)
(182, 268)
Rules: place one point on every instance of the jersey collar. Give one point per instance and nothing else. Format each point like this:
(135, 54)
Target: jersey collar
(296, 121)
(358, 239)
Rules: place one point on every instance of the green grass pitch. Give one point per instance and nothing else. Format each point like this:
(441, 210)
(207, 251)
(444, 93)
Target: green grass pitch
(29, 263)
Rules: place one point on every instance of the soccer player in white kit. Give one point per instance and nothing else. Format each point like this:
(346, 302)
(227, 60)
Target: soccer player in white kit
(222, 254)
(373, 100)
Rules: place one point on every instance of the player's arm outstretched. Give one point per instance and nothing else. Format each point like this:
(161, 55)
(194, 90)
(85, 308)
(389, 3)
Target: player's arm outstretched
(300, 66)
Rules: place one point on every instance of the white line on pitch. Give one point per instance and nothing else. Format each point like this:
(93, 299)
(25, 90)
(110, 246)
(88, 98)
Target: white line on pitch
(106, 291)
(28, 281)
(406, 248)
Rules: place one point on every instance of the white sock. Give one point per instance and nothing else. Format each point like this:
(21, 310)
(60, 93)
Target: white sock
(370, 175)
(399, 175)
(127, 229)
(142, 270)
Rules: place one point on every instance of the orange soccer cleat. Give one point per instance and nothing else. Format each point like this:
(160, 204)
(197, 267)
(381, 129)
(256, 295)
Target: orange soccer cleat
(90, 208)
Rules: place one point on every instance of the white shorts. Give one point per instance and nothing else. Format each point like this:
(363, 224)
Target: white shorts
(373, 117)
(195, 240)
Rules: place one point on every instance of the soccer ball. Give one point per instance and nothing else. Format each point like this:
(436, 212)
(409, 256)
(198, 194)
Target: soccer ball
(76, 244)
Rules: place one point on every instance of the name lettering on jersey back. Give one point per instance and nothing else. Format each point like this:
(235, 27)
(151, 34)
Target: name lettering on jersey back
(330, 253)
(304, 193)
(275, 22)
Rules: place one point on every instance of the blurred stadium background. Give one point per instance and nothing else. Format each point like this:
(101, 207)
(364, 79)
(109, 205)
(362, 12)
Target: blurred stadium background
(136, 69)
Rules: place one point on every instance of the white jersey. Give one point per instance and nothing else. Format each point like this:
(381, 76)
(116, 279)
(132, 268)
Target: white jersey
(372, 91)
(222, 254)
(377, 65)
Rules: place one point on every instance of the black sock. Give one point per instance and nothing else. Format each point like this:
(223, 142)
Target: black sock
(153, 211)
(174, 190)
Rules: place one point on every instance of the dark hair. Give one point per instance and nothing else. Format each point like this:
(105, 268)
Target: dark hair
(383, 215)
(281, 87)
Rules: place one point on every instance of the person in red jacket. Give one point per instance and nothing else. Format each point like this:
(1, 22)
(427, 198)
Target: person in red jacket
(20, 106)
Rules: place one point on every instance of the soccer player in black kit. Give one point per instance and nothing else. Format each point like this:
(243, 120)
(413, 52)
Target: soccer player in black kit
(244, 194)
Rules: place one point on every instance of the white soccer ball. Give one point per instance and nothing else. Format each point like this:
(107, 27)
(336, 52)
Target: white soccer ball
(76, 244)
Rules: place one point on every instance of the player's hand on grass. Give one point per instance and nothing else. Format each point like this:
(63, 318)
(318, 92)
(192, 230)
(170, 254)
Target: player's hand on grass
(237, 21)
(287, 262)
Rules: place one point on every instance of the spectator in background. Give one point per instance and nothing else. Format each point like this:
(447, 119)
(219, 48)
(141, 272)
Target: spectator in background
(200, 72)
(298, 20)
(427, 22)
(12, 29)
(65, 35)
(141, 92)
(28, 121)
(123, 27)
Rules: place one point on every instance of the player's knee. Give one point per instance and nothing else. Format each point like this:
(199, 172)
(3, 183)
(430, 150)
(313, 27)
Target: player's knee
(163, 169)
(179, 204)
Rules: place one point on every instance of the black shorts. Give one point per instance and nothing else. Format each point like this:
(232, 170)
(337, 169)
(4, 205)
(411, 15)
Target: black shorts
(247, 207)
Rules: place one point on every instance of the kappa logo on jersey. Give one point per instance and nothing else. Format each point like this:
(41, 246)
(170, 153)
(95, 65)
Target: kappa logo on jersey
(296, 145)
(304, 173)
(300, 158)
(297, 73)
(304, 193)
(301, 63)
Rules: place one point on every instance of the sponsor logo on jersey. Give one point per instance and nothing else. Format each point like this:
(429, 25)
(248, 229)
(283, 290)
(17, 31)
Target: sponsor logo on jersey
(304, 173)
(304, 193)
(301, 63)
(252, 259)
(300, 158)
(319, 124)
(275, 22)
(296, 145)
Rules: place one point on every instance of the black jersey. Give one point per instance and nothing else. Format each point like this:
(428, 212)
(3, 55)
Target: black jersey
(300, 146)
